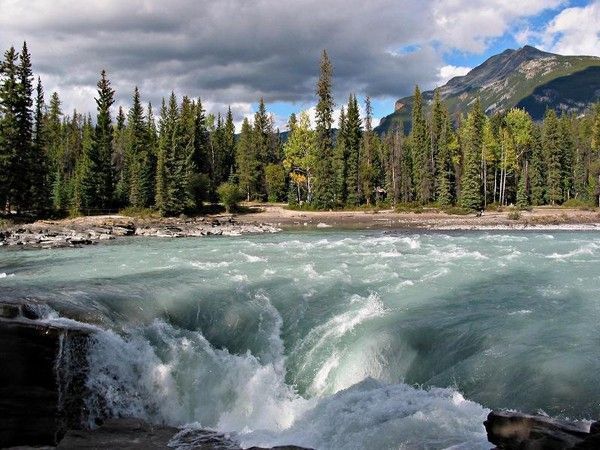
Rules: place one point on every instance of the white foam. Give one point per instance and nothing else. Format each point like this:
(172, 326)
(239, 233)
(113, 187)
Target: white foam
(374, 415)
(588, 249)
(252, 258)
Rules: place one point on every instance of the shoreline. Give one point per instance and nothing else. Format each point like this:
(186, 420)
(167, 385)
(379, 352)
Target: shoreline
(273, 218)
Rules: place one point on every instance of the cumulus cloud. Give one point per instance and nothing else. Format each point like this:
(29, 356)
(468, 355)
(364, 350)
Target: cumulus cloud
(448, 72)
(236, 51)
(575, 31)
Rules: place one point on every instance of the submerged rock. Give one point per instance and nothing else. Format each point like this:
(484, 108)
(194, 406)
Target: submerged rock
(513, 430)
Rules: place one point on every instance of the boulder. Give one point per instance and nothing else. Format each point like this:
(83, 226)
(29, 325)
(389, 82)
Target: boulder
(518, 431)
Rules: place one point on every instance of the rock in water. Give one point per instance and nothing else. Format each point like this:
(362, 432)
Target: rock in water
(518, 431)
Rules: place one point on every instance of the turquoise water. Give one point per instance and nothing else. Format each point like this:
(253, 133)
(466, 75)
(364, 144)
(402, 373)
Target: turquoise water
(332, 339)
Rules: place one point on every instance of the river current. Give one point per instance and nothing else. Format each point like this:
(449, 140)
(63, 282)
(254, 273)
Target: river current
(332, 339)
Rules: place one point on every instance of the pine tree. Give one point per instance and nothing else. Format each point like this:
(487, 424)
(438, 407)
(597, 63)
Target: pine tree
(324, 182)
(437, 144)
(137, 140)
(23, 164)
(84, 189)
(340, 161)
(229, 145)
(164, 142)
(367, 156)
(552, 151)
(9, 127)
(422, 175)
(39, 189)
(247, 162)
(120, 161)
(470, 193)
(536, 168)
(103, 141)
(567, 157)
(264, 145)
(522, 197)
(353, 144)
(442, 135)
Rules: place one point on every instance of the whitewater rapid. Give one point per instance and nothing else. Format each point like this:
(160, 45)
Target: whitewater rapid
(329, 339)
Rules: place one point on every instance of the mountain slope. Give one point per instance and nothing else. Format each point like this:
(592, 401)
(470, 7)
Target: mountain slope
(527, 78)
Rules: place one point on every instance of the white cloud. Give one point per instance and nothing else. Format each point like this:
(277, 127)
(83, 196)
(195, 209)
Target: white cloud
(574, 31)
(448, 72)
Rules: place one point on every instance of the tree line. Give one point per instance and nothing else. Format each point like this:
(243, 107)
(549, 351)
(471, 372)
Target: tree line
(56, 162)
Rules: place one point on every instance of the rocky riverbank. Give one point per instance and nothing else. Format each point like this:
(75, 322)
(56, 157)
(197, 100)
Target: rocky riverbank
(94, 229)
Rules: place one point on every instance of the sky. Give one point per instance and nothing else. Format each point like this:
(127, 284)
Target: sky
(233, 52)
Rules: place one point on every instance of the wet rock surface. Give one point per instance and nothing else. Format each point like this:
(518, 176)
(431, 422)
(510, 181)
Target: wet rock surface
(513, 430)
(92, 230)
(40, 398)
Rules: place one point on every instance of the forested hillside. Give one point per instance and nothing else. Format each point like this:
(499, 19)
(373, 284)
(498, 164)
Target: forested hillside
(174, 158)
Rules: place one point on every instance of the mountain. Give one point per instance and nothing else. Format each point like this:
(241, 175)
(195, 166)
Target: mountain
(526, 78)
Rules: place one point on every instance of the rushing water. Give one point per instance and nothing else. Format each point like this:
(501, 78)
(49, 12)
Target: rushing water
(333, 339)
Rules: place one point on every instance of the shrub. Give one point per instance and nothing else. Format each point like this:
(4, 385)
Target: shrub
(579, 204)
(514, 214)
(230, 195)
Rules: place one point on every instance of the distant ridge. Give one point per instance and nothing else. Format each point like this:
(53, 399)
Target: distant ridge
(527, 78)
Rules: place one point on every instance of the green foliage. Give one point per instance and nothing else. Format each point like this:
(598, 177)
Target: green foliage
(275, 182)
(324, 179)
(514, 214)
(229, 194)
(470, 195)
(577, 203)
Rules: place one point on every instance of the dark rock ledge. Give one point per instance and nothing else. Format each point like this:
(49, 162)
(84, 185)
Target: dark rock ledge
(513, 430)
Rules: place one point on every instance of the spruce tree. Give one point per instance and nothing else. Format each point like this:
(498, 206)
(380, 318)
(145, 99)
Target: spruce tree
(103, 141)
(536, 168)
(39, 187)
(120, 160)
(470, 193)
(340, 161)
(137, 149)
(164, 142)
(552, 151)
(9, 127)
(247, 162)
(324, 182)
(567, 156)
(367, 156)
(353, 144)
(422, 176)
(23, 164)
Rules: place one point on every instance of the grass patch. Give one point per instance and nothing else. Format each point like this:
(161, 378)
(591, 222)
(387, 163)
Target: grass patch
(140, 213)
(457, 210)
(577, 203)
(410, 208)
